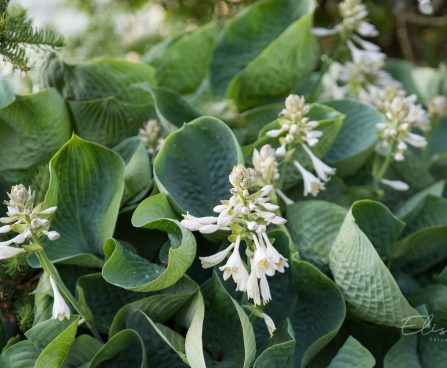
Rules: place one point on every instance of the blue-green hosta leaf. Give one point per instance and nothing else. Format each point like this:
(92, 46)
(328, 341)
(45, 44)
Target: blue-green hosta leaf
(153, 208)
(181, 63)
(357, 138)
(158, 306)
(108, 120)
(420, 250)
(194, 163)
(165, 348)
(125, 349)
(318, 313)
(403, 353)
(278, 68)
(431, 348)
(192, 317)
(57, 350)
(147, 276)
(280, 350)
(82, 351)
(248, 48)
(432, 213)
(86, 183)
(368, 286)
(47, 345)
(172, 109)
(225, 323)
(138, 171)
(313, 226)
(353, 354)
(410, 208)
(32, 128)
(20, 355)
(106, 104)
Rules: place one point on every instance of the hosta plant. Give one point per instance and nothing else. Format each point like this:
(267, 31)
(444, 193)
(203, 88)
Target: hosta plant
(263, 193)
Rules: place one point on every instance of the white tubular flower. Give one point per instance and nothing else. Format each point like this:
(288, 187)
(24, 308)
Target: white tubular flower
(235, 268)
(323, 171)
(9, 252)
(52, 235)
(253, 288)
(215, 259)
(261, 263)
(60, 308)
(269, 323)
(264, 162)
(150, 135)
(312, 185)
(395, 184)
(273, 255)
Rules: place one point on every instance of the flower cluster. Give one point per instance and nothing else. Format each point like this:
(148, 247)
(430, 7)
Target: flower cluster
(247, 214)
(30, 223)
(25, 219)
(402, 115)
(150, 134)
(298, 130)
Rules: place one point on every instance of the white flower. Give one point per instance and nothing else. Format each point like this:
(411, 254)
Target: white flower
(60, 307)
(52, 235)
(323, 171)
(235, 268)
(312, 185)
(273, 255)
(8, 252)
(264, 162)
(253, 287)
(215, 259)
(396, 184)
(261, 263)
(269, 323)
(415, 140)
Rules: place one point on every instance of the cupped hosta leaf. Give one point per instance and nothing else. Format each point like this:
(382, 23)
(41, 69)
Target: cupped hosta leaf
(182, 62)
(106, 104)
(125, 349)
(252, 34)
(357, 138)
(420, 250)
(20, 355)
(278, 68)
(353, 354)
(313, 226)
(57, 350)
(225, 323)
(153, 208)
(378, 223)
(82, 351)
(403, 353)
(108, 120)
(194, 163)
(172, 109)
(192, 317)
(280, 350)
(165, 348)
(318, 313)
(158, 306)
(367, 284)
(32, 128)
(410, 208)
(138, 171)
(86, 183)
(147, 276)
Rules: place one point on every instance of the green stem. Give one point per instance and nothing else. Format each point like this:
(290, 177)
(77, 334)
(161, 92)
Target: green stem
(386, 163)
(51, 270)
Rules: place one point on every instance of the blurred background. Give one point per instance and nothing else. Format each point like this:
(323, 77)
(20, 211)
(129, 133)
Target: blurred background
(415, 30)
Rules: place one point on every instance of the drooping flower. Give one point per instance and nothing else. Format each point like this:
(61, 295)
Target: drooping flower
(60, 308)
(395, 184)
(235, 268)
(269, 323)
(323, 171)
(7, 252)
(215, 259)
(312, 185)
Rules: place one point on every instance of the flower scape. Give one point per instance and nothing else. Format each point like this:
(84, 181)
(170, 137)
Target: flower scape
(264, 189)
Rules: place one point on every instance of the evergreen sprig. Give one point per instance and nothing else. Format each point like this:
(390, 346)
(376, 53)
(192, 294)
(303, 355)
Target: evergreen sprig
(17, 32)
